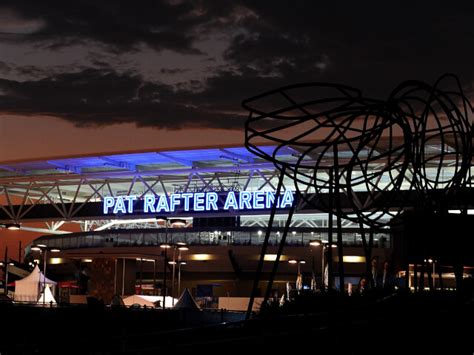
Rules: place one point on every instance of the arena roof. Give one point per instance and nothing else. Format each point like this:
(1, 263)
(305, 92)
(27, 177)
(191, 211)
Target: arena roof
(69, 186)
(147, 162)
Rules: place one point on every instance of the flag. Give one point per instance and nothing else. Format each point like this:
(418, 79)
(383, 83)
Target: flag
(299, 282)
(314, 286)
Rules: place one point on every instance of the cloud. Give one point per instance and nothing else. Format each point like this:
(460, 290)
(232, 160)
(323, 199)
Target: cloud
(120, 26)
(12, 23)
(4, 67)
(172, 71)
(96, 97)
(249, 47)
(369, 45)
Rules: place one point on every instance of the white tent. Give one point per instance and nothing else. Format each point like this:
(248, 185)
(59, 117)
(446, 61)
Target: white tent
(149, 301)
(48, 297)
(186, 301)
(29, 288)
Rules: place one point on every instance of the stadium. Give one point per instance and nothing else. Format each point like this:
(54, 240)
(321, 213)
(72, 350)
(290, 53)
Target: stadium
(108, 217)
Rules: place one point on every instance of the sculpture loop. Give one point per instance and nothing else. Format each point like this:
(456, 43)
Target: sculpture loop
(375, 154)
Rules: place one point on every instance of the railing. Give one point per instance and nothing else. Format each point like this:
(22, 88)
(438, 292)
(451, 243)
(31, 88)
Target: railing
(242, 236)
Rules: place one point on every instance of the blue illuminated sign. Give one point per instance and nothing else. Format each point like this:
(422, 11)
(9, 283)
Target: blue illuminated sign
(197, 202)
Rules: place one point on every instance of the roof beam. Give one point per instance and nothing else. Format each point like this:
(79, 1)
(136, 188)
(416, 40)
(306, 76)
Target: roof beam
(43, 230)
(10, 169)
(65, 167)
(124, 221)
(119, 164)
(144, 173)
(181, 161)
(235, 156)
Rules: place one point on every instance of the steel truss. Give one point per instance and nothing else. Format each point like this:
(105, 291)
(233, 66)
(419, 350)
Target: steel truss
(69, 194)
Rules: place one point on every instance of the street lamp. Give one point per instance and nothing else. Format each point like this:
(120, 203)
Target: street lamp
(179, 246)
(299, 262)
(143, 260)
(433, 275)
(165, 246)
(43, 248)
(299, 277)
(323, 245)
(317, 243)
(181, 263)
(327, 245)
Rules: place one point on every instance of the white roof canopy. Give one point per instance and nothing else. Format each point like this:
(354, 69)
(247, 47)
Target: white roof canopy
(29, 288)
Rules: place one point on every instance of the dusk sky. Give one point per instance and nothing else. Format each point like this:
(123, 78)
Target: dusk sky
(83, 77)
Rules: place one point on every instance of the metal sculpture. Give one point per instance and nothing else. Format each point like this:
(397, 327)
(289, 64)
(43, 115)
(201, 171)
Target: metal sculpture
(377, 155)
(440, 119)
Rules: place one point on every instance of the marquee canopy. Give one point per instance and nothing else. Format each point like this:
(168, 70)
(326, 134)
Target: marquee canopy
(29, 288)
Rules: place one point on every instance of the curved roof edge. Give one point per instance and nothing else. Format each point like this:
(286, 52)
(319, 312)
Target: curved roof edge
(120, 152)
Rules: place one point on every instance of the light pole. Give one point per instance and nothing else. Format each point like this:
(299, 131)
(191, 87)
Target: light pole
(181, 263)
(44, 275)
(299, 278)
(323, 246)
(141, 275)
(154, 276)
(144, 260)
(317, 243)
(180, 246)
(165, 246)
(173, 273)
(433, 274)
(43, 249)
